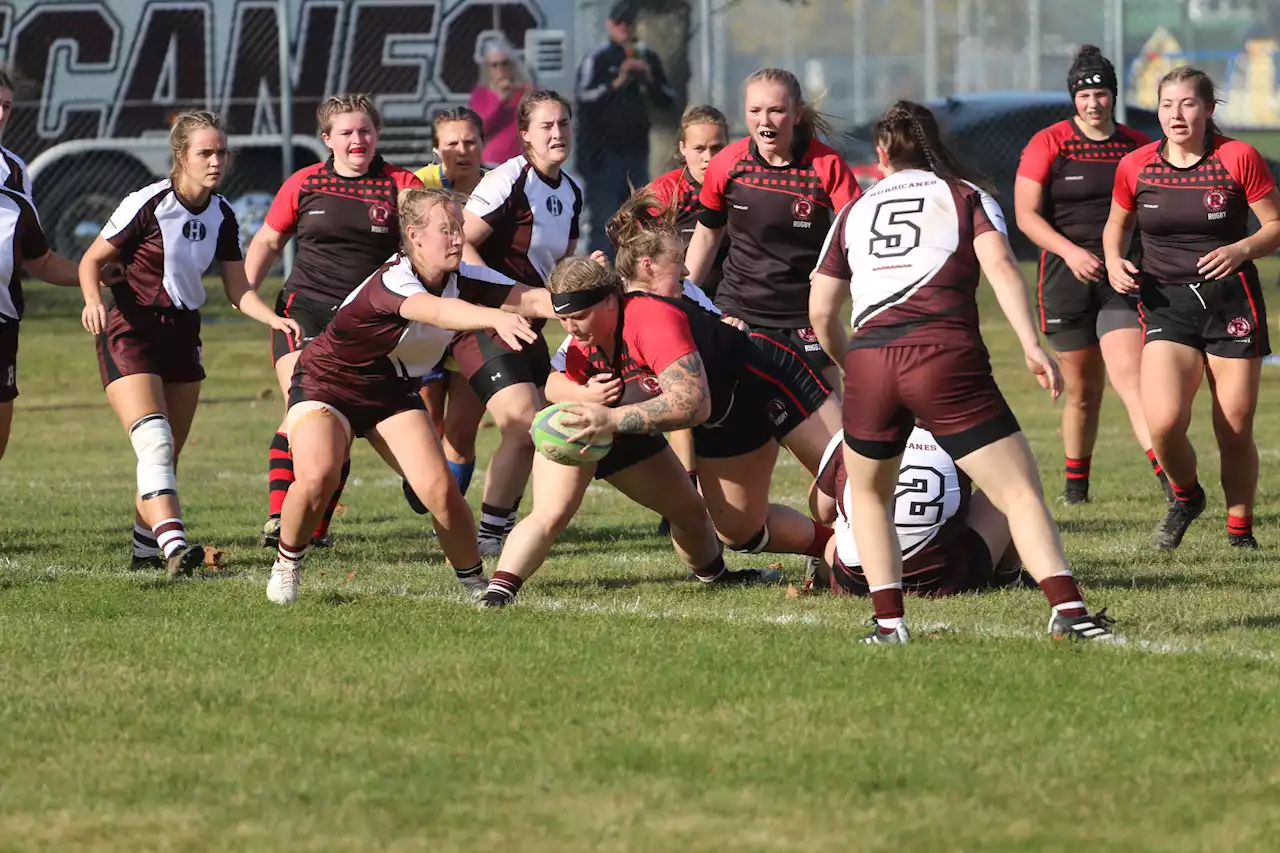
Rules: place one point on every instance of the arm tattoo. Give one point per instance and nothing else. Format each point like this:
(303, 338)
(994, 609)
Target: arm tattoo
(680, 405)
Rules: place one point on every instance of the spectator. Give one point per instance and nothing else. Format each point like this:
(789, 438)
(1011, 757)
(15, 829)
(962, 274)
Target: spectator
(617, 83)
(496, 97)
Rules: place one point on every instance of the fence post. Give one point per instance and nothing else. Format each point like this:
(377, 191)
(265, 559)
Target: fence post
(1122, 67)
(1034, 37)
(930, 50)
(286, 112)
(704, 49)
(860, 98)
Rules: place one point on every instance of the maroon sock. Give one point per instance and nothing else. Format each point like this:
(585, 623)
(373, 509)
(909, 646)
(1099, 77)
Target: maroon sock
(279, 473)
(888, 603)
(1186, 494)
(821, 536)
(1062, 592)
(1155, 463)
(1239, 525)
(506, 584)
(322, 529)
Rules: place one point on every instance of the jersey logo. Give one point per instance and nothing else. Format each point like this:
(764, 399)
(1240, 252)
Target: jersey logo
(802, 213)
(194, 230)
(649, 384)
(379, 214)
(555, 206)
(807, 334)
(777, 411)
(1215, 200)
(1239, 327)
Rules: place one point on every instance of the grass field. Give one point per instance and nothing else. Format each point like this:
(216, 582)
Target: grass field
(619, 707)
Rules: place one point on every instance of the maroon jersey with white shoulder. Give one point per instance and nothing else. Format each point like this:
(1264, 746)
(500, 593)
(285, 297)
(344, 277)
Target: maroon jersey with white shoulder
(1183, 213)
(166, 247)
(906, 248)
(20, 240)
(1077, 174)
(346, 227)
(776, 217)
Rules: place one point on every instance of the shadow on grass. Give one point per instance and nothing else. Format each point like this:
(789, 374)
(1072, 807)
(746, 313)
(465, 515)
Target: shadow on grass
(1166, 580)
(612, 583)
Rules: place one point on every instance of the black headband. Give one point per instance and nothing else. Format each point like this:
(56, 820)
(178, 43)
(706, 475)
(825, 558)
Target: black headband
(578, 300)
(1092, 72)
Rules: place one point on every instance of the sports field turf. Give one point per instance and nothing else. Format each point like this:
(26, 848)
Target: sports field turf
(619, 706)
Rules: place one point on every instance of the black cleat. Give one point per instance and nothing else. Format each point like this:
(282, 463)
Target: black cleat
(1243, 540)
(412, 497)
(143, 564)
(1169, 532)
(185, 561)
(493, 598)
(1090, 626)
(748, 577)
(325, 541)
(271, 533)
(1075, 494)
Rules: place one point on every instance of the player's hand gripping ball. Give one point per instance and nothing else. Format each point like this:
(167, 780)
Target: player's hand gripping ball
(551, 438)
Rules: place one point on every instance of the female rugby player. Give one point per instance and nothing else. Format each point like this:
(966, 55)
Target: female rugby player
(166, 234)
(1189, 196)
(911, 253)
(775, 193)
(1061, 195)
(360, 378)
(521, 219)
(343, 212)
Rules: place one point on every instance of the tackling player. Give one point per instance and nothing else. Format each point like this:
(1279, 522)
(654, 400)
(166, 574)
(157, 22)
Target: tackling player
(1190, 195)
(911, 252)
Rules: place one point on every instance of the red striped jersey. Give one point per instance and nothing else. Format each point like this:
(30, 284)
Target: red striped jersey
(20, 240)
(776, 218)
(346, 227)
(906, 247)
(534, 219)
(1183, 213)
(1077, 175)
(166, 246)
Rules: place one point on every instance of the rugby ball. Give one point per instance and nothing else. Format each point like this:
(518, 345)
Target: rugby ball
(551, 438)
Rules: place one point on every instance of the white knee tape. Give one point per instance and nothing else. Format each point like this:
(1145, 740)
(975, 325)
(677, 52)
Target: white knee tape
(153, 443)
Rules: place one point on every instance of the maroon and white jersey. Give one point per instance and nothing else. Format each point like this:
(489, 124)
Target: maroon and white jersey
(346, 227)
(370, 348)
(534, 219)
(13, 173)
(776, 217)
(1185, 213)
(1077, 175)
(167, 247)
(20, 240)
(906, 247)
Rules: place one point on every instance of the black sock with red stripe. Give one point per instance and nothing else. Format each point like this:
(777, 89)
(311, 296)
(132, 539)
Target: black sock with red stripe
(279, 473)
(1188, 494)
(1158, 470)
(322, 529)
(1078, 477)
(1155, 463)
(1239, 525)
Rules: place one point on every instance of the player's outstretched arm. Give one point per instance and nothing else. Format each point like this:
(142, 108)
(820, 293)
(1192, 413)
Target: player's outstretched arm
(461, 316)
(529, 302)
(53, 268)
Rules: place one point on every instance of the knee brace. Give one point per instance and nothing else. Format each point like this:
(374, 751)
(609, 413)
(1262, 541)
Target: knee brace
(152, 440)
(755, 544)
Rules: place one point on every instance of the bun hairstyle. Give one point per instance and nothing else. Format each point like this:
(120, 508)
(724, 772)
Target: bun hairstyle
(642, 228)
(813, 122)
(909, 135)
(1091, 70)
(578, 274)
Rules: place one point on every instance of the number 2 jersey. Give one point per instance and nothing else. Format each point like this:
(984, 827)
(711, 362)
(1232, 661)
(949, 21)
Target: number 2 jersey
(906, 247)
(929, 493)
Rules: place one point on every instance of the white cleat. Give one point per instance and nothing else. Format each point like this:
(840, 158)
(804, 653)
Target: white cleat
(475, 585)
(283, 586)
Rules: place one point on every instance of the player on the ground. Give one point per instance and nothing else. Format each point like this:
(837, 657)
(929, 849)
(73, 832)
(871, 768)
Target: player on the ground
(459, 137)
(1189, 195)
(360, 378)
(343, 213)
(775, 194)
(680, 367)
(952, 539)
(521, 219)
(911, 252)
(166, 234)
(1062, 195)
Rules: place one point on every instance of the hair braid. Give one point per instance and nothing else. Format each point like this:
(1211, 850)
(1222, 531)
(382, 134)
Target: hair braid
(922, 141)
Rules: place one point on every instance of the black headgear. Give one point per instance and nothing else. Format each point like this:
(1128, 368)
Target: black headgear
(1092, 71)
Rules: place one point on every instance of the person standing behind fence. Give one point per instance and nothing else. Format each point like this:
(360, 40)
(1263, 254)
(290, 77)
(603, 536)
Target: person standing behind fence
(618, 82)
(149, 353)
(496, 98)
(1061, 196)
(344, 213)
(1190, 196)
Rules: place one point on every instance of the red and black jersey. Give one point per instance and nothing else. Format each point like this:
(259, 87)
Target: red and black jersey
(653, 332)
(346, 227)
(681, 193)
(20, 232)
(1077, 174)
(777, 218)
(1185, 213)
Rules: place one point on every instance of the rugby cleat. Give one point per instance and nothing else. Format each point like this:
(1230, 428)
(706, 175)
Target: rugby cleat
(1075, 494)
(1090, 626)
(811, 567)
(283, 586)
(898, 636)
(184, 561)
(490, 545)
(141, 564)
(1243, 540)
(1169, 532)
(271, 533)
(475, 584)
(748, 577)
